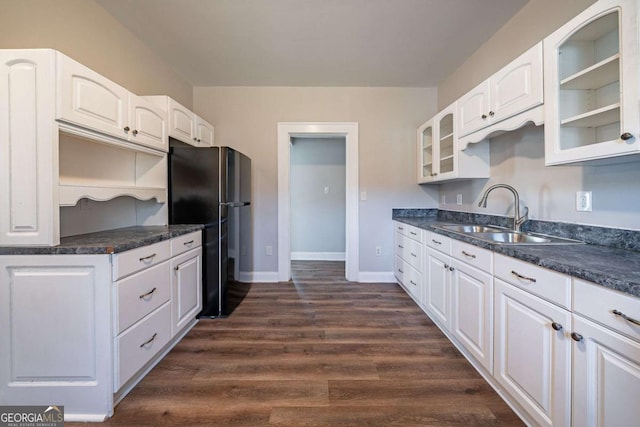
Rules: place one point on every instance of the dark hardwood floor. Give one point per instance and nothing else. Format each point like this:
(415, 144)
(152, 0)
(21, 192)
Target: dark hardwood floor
(317, 351)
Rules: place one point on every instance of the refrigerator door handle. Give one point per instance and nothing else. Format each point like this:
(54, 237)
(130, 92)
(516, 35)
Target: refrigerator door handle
(235, 204)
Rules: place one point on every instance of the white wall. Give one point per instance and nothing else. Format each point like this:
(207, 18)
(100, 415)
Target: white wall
(318, 197)
(246, 118)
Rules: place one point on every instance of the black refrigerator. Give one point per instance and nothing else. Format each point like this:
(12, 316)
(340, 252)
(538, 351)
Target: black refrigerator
(212, 186)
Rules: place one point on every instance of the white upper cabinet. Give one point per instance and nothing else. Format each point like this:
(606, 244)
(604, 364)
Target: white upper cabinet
(184, 124)
(28, 149)
(591, 85)
(516, 88)
(439, 156)
(89, 100)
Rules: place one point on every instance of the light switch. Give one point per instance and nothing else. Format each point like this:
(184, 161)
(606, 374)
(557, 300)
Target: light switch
(326, 190)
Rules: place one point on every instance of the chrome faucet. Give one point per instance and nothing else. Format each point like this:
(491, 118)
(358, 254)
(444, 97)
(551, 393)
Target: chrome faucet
(517, 219)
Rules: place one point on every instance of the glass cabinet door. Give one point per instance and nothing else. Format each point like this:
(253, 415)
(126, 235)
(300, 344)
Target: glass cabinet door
(591, 104)
(426, 171)
(446, 152)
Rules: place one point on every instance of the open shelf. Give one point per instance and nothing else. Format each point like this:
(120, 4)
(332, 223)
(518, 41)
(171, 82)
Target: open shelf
(600, 117)
(601, 74)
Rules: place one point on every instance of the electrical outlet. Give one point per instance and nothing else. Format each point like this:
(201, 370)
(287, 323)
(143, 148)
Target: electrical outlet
(583, 201)
(459, 199)
(378, 250)
(268, 250)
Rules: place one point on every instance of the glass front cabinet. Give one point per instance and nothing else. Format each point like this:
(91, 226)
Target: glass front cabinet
(591, 85)
(440, 157)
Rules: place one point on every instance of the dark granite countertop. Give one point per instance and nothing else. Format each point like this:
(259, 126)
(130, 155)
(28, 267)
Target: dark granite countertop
(611, 267)
(107, 242)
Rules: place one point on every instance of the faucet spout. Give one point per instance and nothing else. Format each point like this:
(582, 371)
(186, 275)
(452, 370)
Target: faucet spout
(517, 219)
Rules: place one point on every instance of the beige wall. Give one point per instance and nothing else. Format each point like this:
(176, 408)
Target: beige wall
(87, 33)
(532, 23)
(246, 118)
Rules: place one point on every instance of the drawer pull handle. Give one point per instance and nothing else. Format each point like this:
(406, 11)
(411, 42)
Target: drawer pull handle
(188, 243)
(411, 232)
(400, 270)
(149, 341)
(400, 228)
(436, 242)
(147, 257)
(414, 255)
(576, 336)
(520, 276)
(413, 283)
(468, 254)
(401, 247)
(556, 326)
(148, 293)
(625, 317)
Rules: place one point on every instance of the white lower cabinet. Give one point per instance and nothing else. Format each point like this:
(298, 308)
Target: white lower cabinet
(82, 330)
(408, 259)
(532, 358)
(438, 289)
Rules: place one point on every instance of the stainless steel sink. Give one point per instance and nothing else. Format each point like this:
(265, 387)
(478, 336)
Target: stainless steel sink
(503, 236)
(472, 228)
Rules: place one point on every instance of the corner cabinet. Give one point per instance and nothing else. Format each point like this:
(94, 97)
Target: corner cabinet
(591, 85)
(438, 153)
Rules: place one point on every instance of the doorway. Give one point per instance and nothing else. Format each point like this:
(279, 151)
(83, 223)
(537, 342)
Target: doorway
(349, 133)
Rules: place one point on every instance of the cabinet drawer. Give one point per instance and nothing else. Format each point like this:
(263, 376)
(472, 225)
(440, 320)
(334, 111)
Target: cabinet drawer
(137, 346)
(182, 244)
(409, 231)
(400, 269)
(413, 254)
(478, 257)
(138, 259)
(438, 241)
(141, 293)
(548, 284)
(598, 303)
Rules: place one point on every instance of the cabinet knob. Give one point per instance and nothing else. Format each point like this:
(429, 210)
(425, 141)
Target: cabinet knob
(491, 113)
(127, 129)
(451, 268)
(195, 139)
(484, 117)
(135, 132)
(626, 136)
(556, 326)
(198, 140)
(446, 266)
(576, 336)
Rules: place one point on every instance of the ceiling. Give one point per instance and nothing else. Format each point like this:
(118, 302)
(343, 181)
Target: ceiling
(396, 43)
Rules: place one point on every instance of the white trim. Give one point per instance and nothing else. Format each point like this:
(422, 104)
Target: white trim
(318, 256)
(377, 277)
(258, 276)
(350, 132)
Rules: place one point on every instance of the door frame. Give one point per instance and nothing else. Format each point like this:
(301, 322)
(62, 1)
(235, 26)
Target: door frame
(347, 130)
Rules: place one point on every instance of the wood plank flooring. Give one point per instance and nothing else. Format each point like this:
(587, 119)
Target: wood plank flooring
(317, 351)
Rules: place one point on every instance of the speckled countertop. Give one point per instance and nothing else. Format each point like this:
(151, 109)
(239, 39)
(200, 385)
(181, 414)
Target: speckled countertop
(611, 267)
(107, 242)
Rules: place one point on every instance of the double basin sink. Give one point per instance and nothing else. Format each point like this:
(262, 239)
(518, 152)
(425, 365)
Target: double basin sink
(504, 236)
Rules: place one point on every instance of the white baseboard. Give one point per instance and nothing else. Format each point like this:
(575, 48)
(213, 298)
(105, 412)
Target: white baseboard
(376, 277)
(258, 276)
(318, 256)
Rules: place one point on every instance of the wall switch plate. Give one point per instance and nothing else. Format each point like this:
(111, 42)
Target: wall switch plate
(363, 195)
(268, 250)
(459, 199)
(326, 190)
(378, 250)
(583, 201)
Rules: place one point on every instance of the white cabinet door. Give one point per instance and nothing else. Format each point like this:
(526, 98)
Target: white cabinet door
(472, 311)
(591, 85)
(204, 133)
(29, 213)
(438, 291)
(187, 288)
(56, 333)
(426, 150)
(87, 99)
(606, 377)
(532, 360)
(473, 109)
(182, 122)
(148, 124)
(518, 86)
(515, 88)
